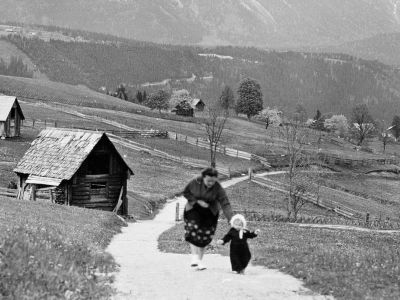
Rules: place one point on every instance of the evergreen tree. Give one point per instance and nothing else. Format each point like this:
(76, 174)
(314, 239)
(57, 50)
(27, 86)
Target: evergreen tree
(139, 97)
(227, 98)
(396, 126)
(250, 100)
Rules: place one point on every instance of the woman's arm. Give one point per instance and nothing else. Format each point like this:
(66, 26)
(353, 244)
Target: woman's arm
(188, 194)
(224, 203)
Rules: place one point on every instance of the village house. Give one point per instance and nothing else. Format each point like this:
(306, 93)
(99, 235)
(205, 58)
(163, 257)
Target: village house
(197, 104)
(11, 117)
(79, 167)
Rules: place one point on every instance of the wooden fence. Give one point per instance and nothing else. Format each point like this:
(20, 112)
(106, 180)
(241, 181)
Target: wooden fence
(337, 207)
(203, 143)
(140, 147)
(149, 133)
(45, 194)
(6, 192)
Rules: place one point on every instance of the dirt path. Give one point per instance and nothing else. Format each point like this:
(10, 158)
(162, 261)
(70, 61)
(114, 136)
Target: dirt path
(147, 273)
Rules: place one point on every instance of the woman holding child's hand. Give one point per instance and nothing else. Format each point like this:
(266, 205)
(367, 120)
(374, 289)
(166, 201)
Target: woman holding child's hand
(205, 198)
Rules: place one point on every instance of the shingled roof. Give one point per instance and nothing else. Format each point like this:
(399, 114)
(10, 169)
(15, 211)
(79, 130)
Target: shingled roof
(6, 103)
(58, 153)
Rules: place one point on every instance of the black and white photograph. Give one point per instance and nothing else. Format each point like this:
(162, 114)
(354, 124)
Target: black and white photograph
(199, 149)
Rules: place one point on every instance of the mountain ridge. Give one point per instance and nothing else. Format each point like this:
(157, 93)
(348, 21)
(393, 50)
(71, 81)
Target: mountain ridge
(261, 23)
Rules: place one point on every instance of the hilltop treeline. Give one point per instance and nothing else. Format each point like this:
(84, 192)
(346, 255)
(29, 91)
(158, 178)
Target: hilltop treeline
(328, 82)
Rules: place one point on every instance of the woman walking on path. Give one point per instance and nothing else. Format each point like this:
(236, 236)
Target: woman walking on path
(205, 198)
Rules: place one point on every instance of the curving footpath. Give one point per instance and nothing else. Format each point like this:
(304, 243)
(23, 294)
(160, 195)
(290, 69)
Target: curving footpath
(146, 273)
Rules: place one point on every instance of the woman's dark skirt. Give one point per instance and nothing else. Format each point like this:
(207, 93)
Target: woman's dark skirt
(200, 225)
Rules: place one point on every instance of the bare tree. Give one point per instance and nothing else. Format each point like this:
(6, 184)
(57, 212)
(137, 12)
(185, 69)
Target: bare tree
(363, 122)
(299, 182)
(214, 126)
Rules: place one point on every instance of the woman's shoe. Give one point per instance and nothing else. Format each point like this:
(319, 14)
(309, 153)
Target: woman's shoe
(201, 267)
(194, 262)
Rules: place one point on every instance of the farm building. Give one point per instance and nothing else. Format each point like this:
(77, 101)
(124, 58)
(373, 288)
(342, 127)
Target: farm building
(11, 117)
(184, 109)
(197, 104)
(78, 167)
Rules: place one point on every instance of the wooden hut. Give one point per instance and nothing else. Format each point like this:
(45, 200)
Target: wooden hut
(11, 117)
(80, 167)
(184, 109)
(197, 104)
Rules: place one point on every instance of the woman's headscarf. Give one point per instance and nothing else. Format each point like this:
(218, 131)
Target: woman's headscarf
(242, 219)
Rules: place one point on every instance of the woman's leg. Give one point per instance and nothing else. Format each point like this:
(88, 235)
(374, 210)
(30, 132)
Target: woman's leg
(200, 252)
(195, 255)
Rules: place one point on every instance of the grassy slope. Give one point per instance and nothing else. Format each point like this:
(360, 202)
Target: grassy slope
(347, 264)
(375, 195)
(50, 251)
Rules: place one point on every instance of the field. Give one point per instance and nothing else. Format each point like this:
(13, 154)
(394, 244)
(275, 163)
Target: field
(50, 251)
(344, 263)
(371, 194)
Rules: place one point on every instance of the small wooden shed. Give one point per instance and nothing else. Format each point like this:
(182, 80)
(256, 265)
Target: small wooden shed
(197, 104)
(184, 109)
(81, 168)
(11, 117)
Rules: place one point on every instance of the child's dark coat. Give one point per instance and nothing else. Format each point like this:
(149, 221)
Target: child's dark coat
(239, 249)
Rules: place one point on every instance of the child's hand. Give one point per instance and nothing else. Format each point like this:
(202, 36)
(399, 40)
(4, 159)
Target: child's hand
(257, 231)
(220, 242)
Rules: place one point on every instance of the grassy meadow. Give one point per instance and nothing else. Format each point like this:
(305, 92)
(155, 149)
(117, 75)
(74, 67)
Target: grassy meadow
(347, 264)
(50, 251)
(373, 194)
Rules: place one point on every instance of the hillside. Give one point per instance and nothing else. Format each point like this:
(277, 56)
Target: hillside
(329, 82)
(382, 47)
(8, 50)
(262, 23)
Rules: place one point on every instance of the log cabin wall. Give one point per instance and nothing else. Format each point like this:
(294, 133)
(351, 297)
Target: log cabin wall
(99, 181)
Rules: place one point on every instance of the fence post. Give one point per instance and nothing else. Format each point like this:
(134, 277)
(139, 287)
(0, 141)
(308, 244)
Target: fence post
(197, 141)
(45, 124)
(33, 122)
(250, 173)
(177, 212)
(55, 124)
(367, 218)
(176, 136)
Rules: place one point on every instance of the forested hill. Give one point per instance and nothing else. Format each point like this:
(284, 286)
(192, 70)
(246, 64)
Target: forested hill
(329, 82)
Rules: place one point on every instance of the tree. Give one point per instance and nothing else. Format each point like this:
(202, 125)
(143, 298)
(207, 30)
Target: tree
(338, 124)
(300, 113)
(214, 126)
(227, 98)
(158, 100)
(396, 127)
(317, 115)
(139, 97)
(318, 122)
(250, 100)
(270, 117)
(362, 121)
(121, 92)
(178, 97)
(144, 97)
(299, 183)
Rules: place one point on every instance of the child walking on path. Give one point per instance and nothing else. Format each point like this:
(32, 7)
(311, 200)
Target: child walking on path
(239, 249)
